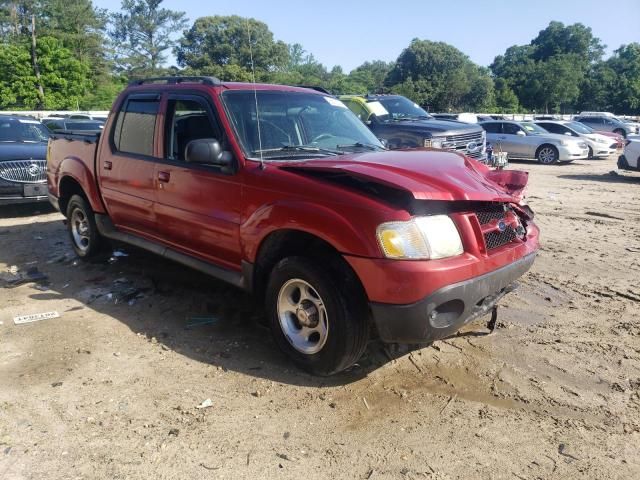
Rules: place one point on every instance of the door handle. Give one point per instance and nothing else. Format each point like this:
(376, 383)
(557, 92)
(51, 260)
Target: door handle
(164, 177)
(108, 165)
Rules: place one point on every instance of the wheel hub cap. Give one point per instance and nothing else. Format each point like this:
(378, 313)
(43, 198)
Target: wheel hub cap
(303, 317)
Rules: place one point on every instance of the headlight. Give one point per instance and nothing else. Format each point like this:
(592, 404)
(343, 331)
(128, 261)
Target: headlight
(420, 238)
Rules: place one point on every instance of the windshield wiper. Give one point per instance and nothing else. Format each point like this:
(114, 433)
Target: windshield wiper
(299, 148)
(367, 146)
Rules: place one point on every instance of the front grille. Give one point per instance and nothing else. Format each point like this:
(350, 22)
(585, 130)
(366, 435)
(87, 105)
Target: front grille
(494, 213)
(24, 171)
(459, 143)
(497, 239)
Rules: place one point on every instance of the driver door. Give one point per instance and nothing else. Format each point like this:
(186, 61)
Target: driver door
(197, 206)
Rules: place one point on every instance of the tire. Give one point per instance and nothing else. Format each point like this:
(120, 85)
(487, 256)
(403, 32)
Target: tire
(621, 132)
(623, 164)
(83, 232)
(590, 153)
(547, 154)
(320, 323)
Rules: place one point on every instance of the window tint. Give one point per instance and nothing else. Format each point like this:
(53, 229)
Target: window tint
(135, 126)
(510, 128)
(553, 127)
(491, 127)
(187, 120)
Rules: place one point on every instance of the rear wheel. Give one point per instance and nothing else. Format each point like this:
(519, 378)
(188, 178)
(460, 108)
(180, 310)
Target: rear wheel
(85, 238)
(547, 154)
(318, 322)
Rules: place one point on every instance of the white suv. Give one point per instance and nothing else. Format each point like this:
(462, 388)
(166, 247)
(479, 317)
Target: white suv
(630, 159)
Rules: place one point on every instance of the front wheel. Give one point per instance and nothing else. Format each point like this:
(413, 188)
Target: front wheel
(317, 321)
(85, 238)
(547, 154)
(590, 153)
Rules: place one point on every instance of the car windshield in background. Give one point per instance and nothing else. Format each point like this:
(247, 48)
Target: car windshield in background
(580, 128)
(398, 108)
(533, 129)
(83, 125)
(294, 125)
(23, 131)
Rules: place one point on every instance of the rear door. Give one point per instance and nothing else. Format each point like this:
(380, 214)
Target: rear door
(198, 206)
(127, 172)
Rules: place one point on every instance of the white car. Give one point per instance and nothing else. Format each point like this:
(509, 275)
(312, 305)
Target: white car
(630, 159)
(526, 140)
(599, 145)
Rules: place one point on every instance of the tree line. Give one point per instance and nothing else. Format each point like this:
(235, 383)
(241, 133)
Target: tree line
(69, 54)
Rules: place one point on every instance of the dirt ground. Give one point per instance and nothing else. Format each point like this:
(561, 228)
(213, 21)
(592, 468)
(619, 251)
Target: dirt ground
(111, 388)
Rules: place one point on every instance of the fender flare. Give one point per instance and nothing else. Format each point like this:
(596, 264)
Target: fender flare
(310, 218)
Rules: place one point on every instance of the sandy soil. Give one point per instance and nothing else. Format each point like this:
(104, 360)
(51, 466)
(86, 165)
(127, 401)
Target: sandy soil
(110, 389)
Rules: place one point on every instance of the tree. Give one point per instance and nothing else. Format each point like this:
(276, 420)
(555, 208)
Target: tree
(440, 75)
(143, 33)
(574, 39)
(371, 75)
(219, 46)
(64, 78)
(625, 91)
(505, 99)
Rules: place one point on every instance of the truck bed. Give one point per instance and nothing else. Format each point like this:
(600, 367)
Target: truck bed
(77, 152)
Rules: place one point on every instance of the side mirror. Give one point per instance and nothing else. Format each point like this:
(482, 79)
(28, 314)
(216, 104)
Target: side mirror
(520, 133)
(207, 151)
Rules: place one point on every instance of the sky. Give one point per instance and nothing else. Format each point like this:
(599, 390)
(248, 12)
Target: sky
(348, 33)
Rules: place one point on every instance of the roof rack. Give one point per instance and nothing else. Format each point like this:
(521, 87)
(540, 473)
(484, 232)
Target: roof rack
(176, 80)
(317, 88)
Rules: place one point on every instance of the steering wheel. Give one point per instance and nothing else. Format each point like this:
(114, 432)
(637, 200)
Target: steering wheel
(322, 136)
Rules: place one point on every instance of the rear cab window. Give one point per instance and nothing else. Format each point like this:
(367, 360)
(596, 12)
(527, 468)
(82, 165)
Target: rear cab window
(134, 129)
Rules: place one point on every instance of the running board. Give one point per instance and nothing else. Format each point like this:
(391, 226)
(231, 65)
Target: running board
(239, 279)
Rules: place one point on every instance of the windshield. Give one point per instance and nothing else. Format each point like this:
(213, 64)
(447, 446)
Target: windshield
(579, 127)
(398, 108)
(533, 129)
(294, 125)
(12, 130)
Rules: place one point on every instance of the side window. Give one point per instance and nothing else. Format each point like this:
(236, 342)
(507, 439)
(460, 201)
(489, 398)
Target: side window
(510, 128)
(491, 127)
(187, 120)
(553, 128)
(135, 126)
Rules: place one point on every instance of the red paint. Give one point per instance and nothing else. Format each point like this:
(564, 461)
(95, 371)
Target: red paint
(225, 218)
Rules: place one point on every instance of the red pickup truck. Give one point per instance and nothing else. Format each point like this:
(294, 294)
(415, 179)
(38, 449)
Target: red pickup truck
(282, 191)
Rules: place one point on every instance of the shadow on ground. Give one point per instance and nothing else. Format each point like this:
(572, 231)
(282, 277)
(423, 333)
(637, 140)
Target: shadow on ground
(605, 177)
(184, 310)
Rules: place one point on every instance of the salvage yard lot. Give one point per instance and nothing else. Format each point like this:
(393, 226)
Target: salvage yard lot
(110, 389)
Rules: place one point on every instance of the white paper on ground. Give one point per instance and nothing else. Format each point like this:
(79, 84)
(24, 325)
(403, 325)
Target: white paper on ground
(34, 317)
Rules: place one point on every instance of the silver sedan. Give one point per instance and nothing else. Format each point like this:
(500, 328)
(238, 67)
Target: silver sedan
(526, 140)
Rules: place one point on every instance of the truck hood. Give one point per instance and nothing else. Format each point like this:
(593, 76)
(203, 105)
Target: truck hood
(435, 127)
(22, 151)
(426, 174)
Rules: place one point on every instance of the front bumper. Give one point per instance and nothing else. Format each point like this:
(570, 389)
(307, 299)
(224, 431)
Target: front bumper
(443, 312)
(567, 153)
